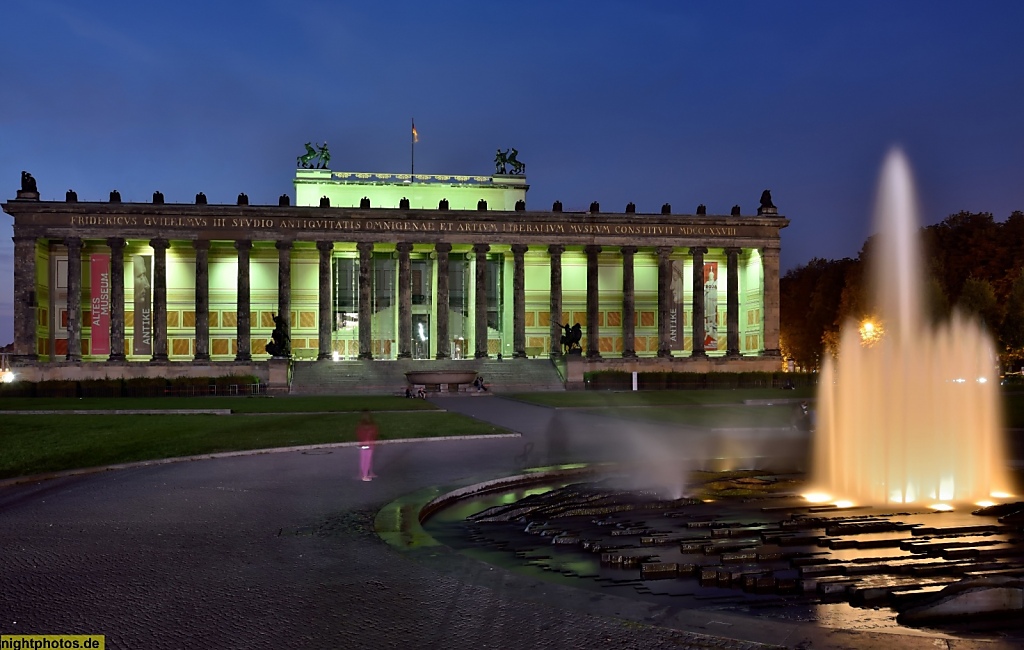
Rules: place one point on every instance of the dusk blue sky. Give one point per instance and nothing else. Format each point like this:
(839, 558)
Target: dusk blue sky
(650, 102)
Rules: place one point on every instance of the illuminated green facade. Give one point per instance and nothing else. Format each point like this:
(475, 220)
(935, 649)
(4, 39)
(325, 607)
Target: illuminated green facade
(385, 266)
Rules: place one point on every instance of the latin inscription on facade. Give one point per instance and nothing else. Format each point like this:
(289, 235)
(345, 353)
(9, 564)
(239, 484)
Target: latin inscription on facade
(299, 225)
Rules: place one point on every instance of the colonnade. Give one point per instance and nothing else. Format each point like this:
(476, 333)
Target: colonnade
(25, 321)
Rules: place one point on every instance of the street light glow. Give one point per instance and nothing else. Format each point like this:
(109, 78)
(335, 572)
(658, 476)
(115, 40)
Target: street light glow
(870, 332)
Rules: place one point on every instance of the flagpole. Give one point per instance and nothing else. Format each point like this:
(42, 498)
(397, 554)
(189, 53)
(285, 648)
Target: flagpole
(412, 152)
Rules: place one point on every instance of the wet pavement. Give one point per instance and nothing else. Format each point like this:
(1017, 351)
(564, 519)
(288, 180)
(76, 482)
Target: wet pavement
(278, 551)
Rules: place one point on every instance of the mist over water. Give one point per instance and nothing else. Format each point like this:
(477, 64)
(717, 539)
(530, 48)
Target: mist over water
(660, 457)
(915, 416)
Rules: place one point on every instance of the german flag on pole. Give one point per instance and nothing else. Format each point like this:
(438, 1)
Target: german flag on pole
(415, 135)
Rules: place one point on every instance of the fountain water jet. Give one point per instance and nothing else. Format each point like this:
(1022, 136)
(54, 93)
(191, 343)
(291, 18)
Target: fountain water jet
(914, 417)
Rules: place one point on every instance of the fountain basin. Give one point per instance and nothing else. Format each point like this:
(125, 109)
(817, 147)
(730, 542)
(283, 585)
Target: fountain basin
(744, 533)
(432, 380)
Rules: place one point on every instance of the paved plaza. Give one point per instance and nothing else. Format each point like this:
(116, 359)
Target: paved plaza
(277, 551)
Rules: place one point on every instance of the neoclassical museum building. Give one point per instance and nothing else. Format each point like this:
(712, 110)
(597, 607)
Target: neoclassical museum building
(387, 266)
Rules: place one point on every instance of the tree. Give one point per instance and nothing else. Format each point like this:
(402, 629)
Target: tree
(936, 303)
(1011, 241)
(978, 298)
(809, 299)
(966, 244)
(796, 335)
(970, 259)
(1011, 330)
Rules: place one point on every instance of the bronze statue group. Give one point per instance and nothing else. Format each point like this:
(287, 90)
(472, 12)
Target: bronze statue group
(571, 339)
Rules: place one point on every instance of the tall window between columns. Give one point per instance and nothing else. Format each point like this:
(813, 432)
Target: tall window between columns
(751, 296)
(495, 302)
(57, 303)
(421, 271)
(460, 311)
(181, 282)
(345, 328)
(645, 309)
(385, 306)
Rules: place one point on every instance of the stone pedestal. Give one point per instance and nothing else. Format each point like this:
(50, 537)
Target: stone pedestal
(278, 381)
(574, 367)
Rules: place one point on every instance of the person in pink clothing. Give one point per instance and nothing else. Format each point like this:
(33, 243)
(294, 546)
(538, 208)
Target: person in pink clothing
(366, 431)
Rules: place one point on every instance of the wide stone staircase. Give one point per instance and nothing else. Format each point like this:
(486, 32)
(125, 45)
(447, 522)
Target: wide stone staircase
(387, 377)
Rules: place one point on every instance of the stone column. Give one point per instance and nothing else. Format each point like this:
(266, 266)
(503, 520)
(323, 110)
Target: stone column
(74, 245)
(770, 262)
(481, 300)
(324, 311)
(116, 245)
(25, 299)
(698, 301)
(244, 304)
(404, 301)
(365, 299)
(519, 300)
(732, 306)
(202, 248)
(444, 345)
(284, 285)
(628, 303)
(555, 262)
(664, 300)
(593, 303)
(160, 247)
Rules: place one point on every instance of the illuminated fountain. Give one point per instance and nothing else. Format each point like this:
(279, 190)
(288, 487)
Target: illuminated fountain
(911, 414)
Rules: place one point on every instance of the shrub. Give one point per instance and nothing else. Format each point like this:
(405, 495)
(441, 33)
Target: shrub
(620, 380)
(56, 388)
(17, 389)
(101, 388)
(608, 380)
(145, 386)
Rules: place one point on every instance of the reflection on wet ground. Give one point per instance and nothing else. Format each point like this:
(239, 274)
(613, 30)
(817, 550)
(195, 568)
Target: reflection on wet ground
(742, 542)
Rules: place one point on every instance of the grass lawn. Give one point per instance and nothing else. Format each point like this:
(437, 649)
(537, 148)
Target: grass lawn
(30, 444)
(311, 404)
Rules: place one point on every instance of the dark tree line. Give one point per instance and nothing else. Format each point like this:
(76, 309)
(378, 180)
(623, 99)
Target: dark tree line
(973, 263)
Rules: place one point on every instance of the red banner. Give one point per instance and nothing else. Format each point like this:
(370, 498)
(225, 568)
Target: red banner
(99, 264)
(711, 305)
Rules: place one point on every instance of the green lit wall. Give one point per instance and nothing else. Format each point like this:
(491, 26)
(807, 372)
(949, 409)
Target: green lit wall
(223, 275)
(500, 192)
(751, 302)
